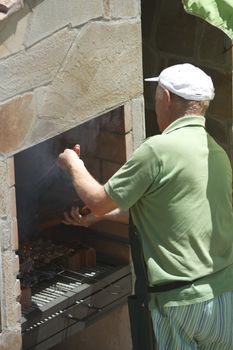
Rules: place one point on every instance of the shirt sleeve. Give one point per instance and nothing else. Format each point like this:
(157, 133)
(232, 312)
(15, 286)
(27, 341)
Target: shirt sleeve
(135, 177)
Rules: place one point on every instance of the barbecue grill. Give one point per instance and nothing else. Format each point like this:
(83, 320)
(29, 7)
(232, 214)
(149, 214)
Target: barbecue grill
(70, 301)
(60, 302)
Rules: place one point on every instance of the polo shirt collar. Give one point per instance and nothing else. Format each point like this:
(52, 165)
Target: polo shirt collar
(188, 120)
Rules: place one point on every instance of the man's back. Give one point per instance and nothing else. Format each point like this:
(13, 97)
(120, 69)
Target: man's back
(184, 207)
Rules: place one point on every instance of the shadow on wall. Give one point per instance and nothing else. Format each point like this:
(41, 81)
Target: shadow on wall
(9, 24)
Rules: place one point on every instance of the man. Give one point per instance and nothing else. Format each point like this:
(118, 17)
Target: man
(178, 186)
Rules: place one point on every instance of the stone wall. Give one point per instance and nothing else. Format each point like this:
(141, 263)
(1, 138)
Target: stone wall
(171, 36)
(61, 63)
(65, 62)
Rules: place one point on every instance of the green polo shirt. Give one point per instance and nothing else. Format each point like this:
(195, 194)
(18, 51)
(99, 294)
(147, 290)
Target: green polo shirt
(178, 186)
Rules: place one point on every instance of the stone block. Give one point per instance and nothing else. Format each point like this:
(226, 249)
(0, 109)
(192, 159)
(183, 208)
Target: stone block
(51, 15)
(15, 264)
(124, 8)
(101, 71)
(3, 189)
(11, 340)
(48, 56)
(18, 312)
(5, 229)
(128, 145)
(14, 235)
(43, 129)
(134, 110)
(12, 32)
(106, 9)
(17, 289)
(127, 122)
(9, 7)
(10, 266)
(12, 204)
(10, 172)
(16, 117)
(9, 234)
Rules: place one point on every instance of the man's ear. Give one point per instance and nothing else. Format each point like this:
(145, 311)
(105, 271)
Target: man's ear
(167, 97)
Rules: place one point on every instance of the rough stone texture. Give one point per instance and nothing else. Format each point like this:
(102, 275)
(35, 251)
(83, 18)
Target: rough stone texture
(12, 32)
(40, 63)
(106, 9)
(75, 73)
(12, 206)
(3, 190)
(9, 234)
(102, 70)
(10, 171)
(10, 267)
(5, 229)
(55, 14)
(44, 129)
(16, 117)
(7, 7)
(14, 236)
(135, 111)
(11, 340)
(124, 8)
(17, 289)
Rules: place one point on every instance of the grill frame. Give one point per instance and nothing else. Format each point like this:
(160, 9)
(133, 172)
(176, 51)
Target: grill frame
(54, 322)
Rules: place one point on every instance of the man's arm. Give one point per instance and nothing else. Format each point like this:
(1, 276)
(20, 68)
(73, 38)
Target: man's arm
(89, 190)
(75, 218)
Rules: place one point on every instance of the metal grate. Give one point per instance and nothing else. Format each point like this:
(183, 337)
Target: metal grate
(67, 282)
(71, 301)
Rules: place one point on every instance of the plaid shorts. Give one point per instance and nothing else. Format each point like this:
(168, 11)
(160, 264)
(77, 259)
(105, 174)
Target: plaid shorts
(204, 326)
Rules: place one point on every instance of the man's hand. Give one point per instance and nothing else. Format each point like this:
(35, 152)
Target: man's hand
(90, 191)
(77, 219)
(68, 159)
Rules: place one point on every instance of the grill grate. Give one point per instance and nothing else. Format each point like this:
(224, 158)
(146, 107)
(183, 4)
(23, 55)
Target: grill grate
(71, 300)
(67, 282)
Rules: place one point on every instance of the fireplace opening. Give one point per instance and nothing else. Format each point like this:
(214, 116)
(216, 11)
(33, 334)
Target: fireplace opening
(70, 276)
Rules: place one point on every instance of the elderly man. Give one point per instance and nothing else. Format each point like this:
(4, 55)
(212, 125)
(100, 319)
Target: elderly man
(178, 187)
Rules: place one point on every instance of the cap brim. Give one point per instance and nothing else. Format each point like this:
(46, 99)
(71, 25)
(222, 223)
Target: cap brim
(152, 79)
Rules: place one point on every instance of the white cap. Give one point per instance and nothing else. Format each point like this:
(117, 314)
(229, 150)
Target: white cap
(187, 81)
